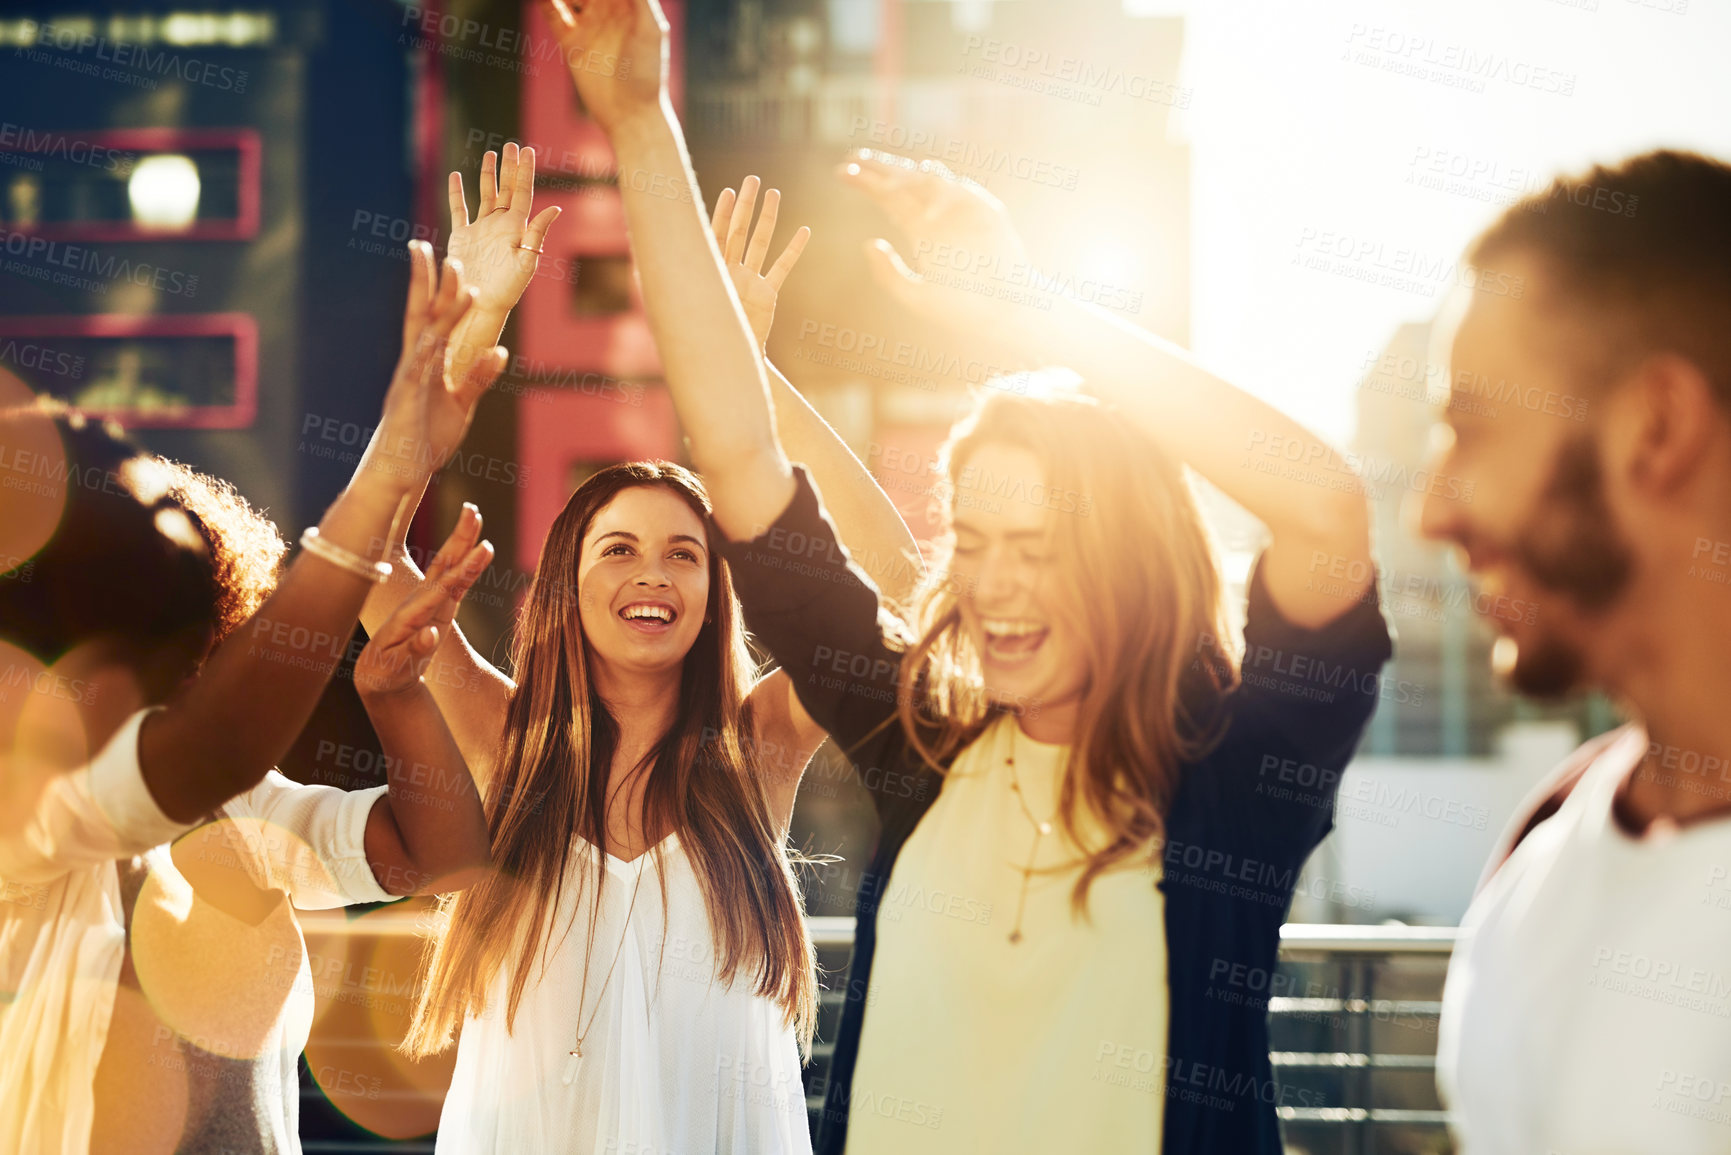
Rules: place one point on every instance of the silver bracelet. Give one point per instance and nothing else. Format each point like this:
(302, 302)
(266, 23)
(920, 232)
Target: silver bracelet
(373, 571)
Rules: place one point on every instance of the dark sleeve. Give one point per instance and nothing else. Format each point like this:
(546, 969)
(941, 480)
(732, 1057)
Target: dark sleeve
(1296, 719)
(818, 616)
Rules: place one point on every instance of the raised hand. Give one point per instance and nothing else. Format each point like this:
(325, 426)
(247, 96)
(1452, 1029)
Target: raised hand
(427, 409)
(961, 237)
(499, 249)
(617, 53)
(743, 250)
(401, 650)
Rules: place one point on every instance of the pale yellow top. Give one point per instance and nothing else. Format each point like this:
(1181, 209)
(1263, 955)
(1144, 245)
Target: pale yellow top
(974, 1043)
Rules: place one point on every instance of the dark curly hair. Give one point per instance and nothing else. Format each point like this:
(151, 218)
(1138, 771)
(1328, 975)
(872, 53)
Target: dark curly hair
(245, 548)
(146, 551)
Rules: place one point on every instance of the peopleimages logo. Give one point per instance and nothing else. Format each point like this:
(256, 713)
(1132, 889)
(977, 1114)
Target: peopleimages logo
(60, 146)
(137, 64)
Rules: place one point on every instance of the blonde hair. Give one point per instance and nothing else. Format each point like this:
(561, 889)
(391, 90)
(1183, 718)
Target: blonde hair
(1139, 584)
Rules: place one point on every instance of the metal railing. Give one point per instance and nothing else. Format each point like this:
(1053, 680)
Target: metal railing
(1354, 1023)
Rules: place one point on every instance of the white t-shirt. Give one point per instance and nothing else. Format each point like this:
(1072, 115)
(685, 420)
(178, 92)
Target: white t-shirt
(63, 938)
(1588, 1004)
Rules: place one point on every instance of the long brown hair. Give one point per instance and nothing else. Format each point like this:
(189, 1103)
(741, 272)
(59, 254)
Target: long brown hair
(705, 784)
(1139, 584)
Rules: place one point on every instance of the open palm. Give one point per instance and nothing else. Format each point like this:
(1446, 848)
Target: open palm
(399, 653)
(743, 250)
(498, 248)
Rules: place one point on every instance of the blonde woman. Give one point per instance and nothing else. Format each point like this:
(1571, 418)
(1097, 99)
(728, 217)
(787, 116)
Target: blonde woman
(1062, 928)
(636, 975)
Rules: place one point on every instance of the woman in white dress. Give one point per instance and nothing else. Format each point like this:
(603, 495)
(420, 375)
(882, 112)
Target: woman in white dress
(636, 976)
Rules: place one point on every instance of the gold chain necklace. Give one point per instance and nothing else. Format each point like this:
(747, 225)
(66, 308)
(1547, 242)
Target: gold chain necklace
(576, 1052)
(1041, 829)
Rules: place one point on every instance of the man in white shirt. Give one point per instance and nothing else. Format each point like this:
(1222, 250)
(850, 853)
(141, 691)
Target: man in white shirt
(1588, 1004)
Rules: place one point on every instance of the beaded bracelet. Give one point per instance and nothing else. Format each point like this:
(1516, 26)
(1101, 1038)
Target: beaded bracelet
(373, 571)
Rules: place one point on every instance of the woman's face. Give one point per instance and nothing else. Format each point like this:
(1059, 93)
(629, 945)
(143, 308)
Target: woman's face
(1004, 571)
(643, 580)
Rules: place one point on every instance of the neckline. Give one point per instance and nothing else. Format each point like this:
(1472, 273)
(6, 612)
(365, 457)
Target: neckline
(616, 860)
(1037, 756)
(1021, 737)
(1623, 760)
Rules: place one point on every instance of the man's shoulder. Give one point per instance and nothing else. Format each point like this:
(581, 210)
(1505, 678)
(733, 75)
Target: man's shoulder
(1546, 798)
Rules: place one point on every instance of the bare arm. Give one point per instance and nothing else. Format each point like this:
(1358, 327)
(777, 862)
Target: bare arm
(257, 689)
(713, 361)
(1223, 433)
(871, 528)
(471, 693)
(429, 833)
(712, 365)
(499, 252)
(1191, 414)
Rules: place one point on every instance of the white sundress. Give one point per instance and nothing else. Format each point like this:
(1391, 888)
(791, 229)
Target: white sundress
(674, 1063)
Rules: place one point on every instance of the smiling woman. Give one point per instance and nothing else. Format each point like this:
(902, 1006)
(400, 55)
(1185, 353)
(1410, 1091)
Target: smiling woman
(598, 1009)
(1087, 752)
(627, 741)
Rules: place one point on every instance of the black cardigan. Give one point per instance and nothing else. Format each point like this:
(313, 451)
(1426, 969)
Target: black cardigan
(1243, 822)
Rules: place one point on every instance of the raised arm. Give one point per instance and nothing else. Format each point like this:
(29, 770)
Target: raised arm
(258, 687)
(1191, 414)
(617, 51)
(499, 250)
(871, 528)
(429, 833)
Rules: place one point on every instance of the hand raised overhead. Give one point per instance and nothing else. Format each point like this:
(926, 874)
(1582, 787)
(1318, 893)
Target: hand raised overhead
(617, 53)
(952, 223)
(499, 248)
(428, 409)
(743, 250)
(398, 654)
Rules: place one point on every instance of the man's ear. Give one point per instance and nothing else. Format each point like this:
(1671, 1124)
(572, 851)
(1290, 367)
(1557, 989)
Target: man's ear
(1674, 417)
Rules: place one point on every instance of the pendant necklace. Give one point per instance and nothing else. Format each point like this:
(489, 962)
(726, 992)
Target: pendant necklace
(576, 1052)
(1041, 829)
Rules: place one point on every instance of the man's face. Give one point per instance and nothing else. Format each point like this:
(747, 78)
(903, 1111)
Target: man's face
(1539, 535)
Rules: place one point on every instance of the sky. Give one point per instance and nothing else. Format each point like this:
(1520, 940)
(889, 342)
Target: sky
(1345, 152)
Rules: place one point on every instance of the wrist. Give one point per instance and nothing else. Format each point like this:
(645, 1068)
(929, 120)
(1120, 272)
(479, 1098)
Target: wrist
(642, 128)
(383, 705)
(479, 329)
(388, 474)
(366, 519)
(374, 493)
